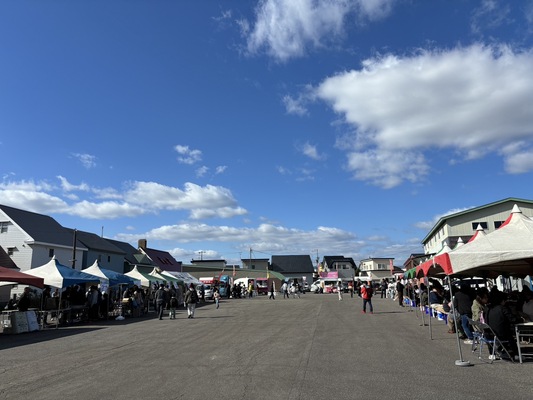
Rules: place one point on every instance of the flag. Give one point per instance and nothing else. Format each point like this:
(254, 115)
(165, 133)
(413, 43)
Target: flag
(268, 273)
(234, 270)
(391, 265)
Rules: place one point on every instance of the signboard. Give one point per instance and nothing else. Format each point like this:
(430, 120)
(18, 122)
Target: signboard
(329, 275)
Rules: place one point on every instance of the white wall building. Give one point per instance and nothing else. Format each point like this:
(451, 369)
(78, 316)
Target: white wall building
(463, 224)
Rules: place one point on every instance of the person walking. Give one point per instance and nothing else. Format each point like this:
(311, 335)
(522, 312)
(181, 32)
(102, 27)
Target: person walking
(366, 294)
(285, 290)
(173, 304)
(250, 289)
(160, 300)
(383, 287)
(272, 291)
(191, 298)
(399, 292)
(216, 296)
(339, 289)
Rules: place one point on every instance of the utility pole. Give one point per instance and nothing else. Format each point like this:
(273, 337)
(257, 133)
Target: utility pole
(74, 249)
(201, 255)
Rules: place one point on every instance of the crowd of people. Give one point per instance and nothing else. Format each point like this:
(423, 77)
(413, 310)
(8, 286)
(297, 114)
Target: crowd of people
(499, 310)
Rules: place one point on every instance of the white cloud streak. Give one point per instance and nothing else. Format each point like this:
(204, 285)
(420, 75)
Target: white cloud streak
(286, 29)
(87, 160)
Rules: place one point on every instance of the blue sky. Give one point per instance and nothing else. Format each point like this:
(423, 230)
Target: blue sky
(288, 127)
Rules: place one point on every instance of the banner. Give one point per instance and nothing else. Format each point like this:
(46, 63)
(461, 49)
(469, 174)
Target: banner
(329, 275)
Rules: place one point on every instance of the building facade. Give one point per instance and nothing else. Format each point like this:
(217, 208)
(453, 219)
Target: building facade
(464, 224)
(376, 268)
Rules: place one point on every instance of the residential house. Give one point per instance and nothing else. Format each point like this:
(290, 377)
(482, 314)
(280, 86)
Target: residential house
(209, 263)
(99, 249)
(255, 263)
(337, 267)
(131, 255)
(298, 267)
(160, 258)
(376, 268)
(32, 239)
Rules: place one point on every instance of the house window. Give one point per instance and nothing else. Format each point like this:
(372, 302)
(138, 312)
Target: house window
(3, 227)
(497, 224)
(108, 258)
(475, 225)
(10, 251)
(50, 253)
(382, 266)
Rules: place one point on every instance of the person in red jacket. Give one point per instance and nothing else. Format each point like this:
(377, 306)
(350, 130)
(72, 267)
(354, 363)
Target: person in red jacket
(366, 294)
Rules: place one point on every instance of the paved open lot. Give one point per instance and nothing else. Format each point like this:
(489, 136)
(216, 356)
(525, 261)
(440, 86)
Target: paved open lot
(313, 347)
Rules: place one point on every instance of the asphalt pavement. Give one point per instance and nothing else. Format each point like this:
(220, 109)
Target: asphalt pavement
(308, 348)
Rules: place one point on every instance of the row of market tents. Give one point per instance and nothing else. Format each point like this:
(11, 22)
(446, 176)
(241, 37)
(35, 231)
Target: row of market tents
(507, 251)
(56, 275)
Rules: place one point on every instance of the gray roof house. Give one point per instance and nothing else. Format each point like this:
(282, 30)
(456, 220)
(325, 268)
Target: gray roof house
(99, 249)
(294, 267)
(32, 239)
(344, 266)
(161, 258)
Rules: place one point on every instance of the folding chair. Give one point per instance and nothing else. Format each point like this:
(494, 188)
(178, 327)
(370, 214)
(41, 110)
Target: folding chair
(483, 334)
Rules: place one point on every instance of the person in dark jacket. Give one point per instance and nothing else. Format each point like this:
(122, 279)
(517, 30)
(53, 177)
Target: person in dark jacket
(24, 300)
(160, 300)
(399, 292)
(501, 320)
(462, 301)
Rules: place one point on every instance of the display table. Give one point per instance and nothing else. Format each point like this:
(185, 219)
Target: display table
(19, 321)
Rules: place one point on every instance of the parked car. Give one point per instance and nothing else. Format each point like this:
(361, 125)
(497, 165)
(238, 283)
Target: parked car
(208, 292)
(315, 287)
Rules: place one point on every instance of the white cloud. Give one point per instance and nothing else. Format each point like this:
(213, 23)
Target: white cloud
(221, 212)
(427, 225)
(519, 162)
(283, 170)
(294, 106)
(138, 198)
(288, 28)
(200, 172)
(220, 169)
(187, 155)
(105, 210)
(267, 238)
(489, 15)
(311, 151)
(473, 100)
(87, 160)
(68, 187)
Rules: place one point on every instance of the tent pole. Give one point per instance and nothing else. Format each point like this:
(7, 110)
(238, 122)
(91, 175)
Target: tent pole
(413, 294)
(460, 362)
(59, 307)
(422, 308)
(430, 316)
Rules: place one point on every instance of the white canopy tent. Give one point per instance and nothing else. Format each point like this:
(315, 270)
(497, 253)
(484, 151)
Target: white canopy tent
(183, 276)
(506, 251)
(145, 279)
(60, 276)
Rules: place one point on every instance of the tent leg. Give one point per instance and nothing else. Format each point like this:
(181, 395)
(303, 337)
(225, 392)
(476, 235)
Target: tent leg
(460, 362)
